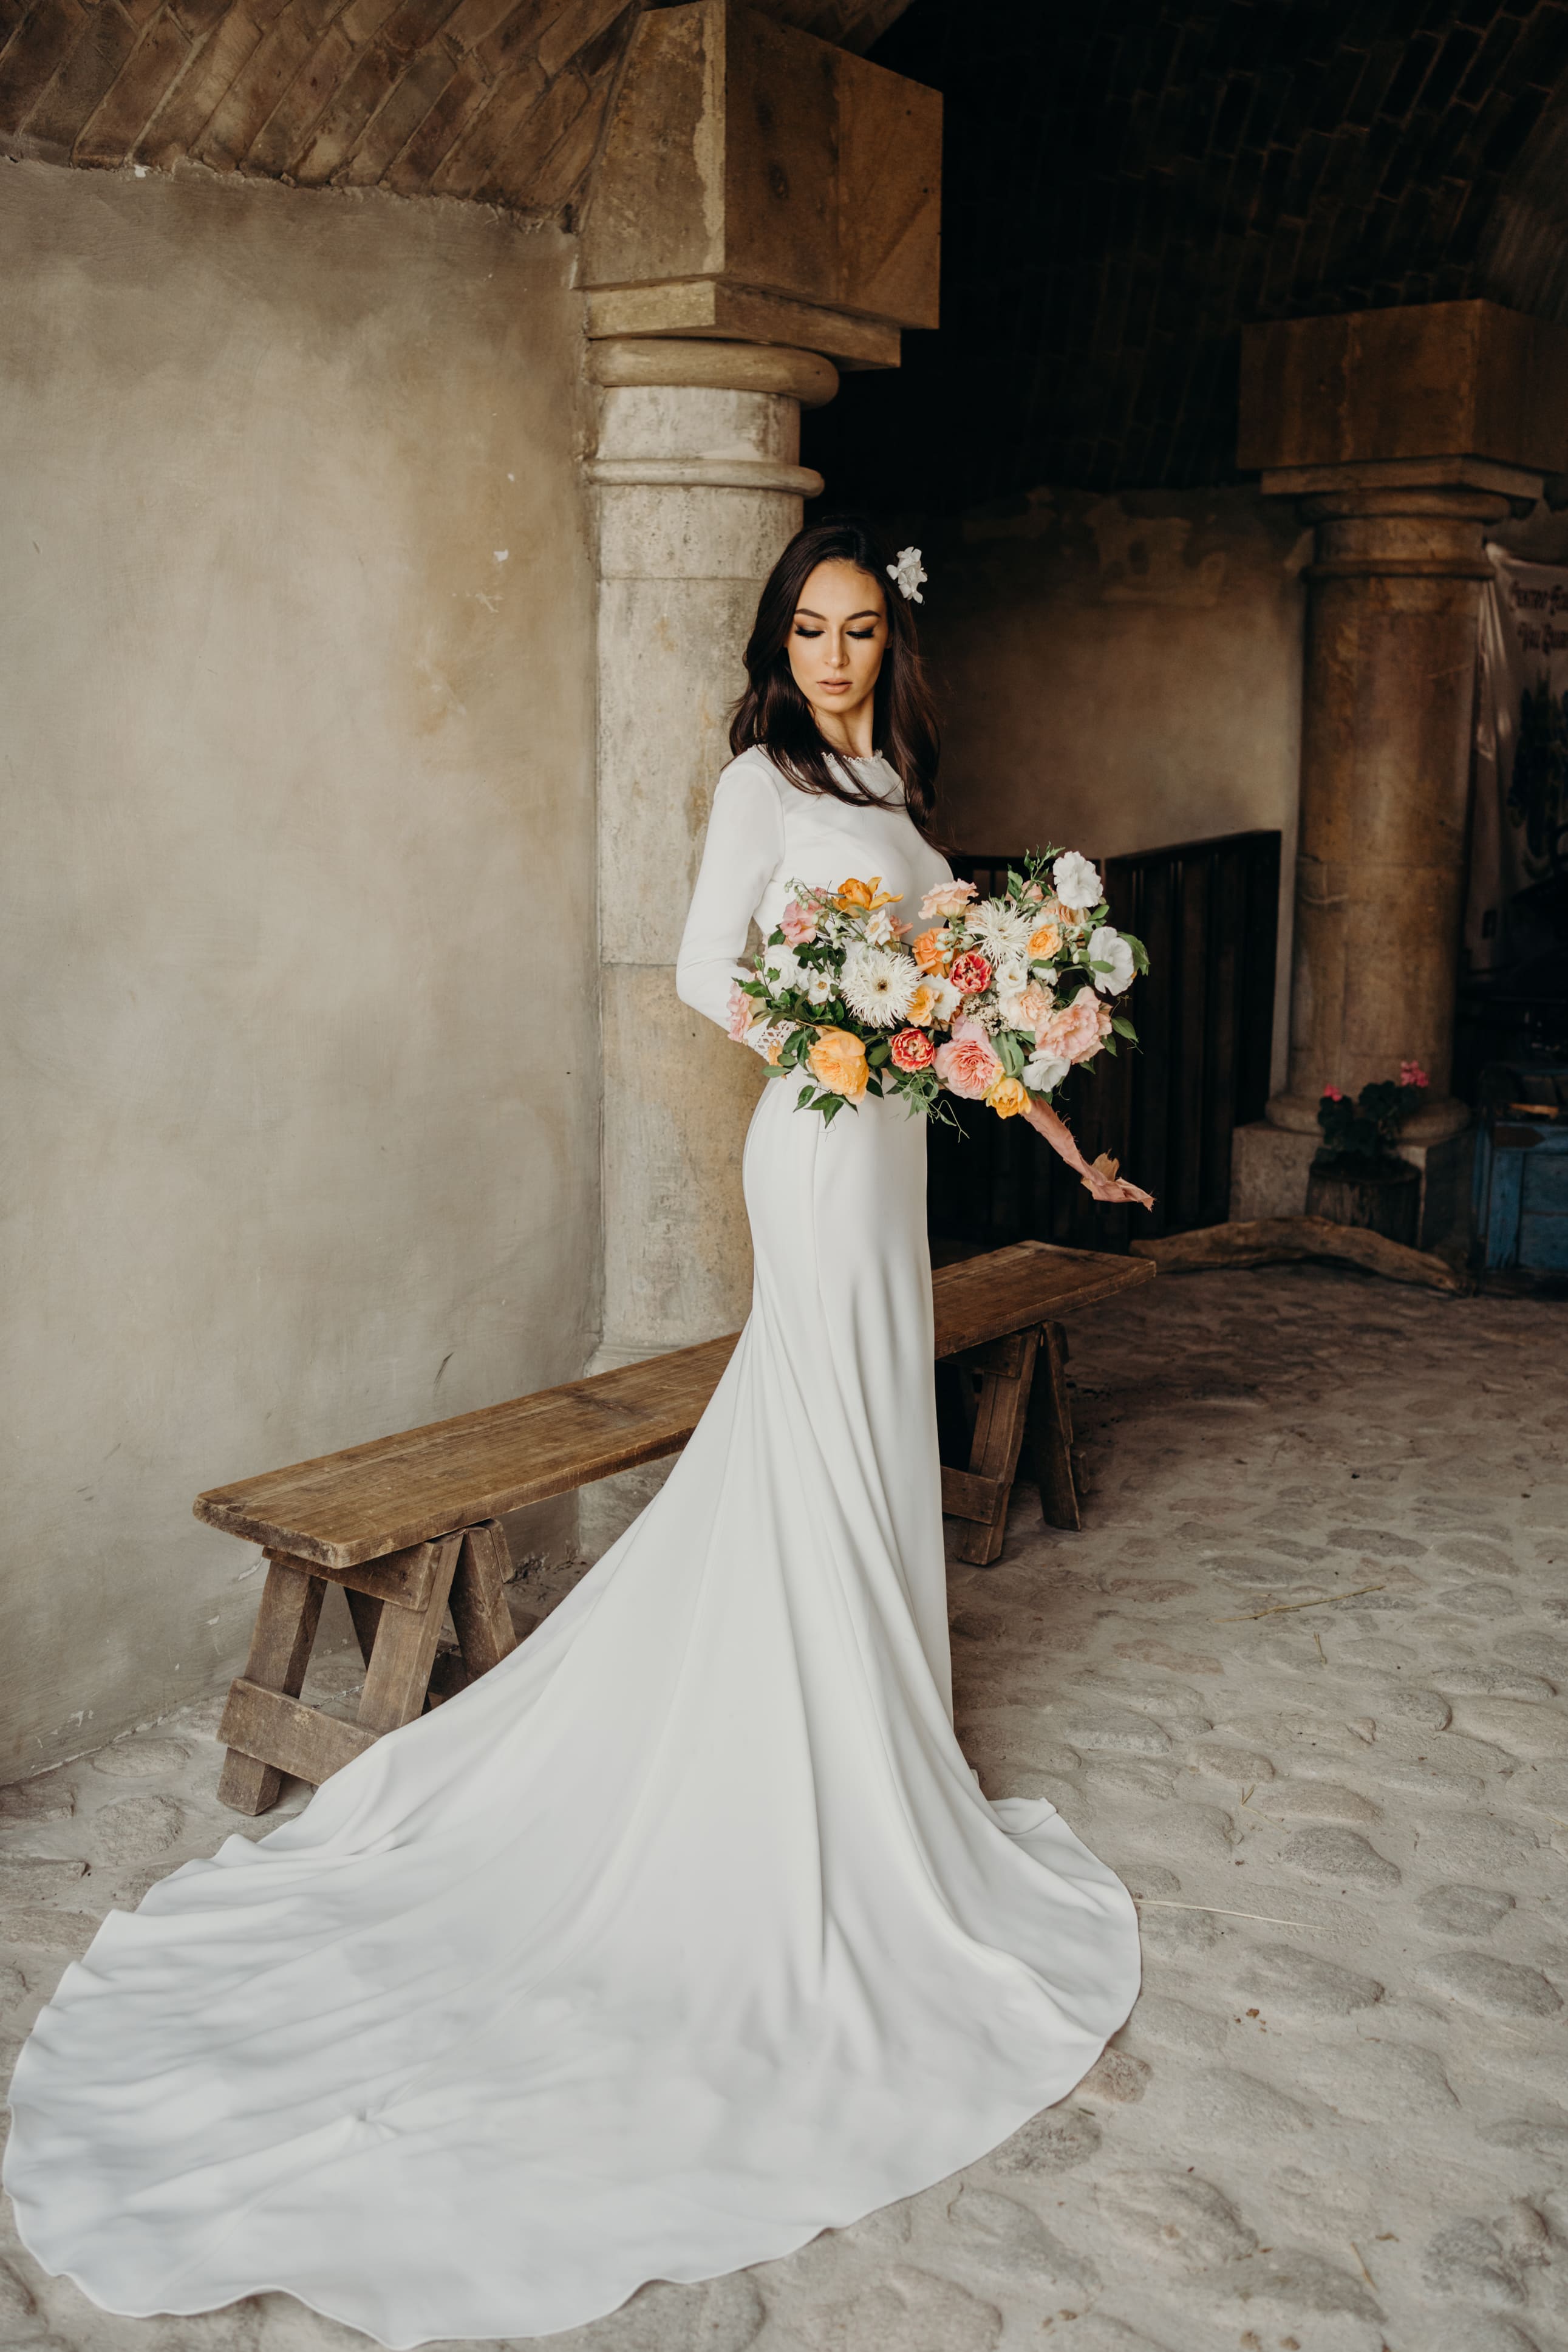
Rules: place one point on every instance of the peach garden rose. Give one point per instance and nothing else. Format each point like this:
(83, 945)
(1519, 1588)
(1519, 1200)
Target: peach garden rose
(837, 1061)
(968, 1063)
(1075, 1030)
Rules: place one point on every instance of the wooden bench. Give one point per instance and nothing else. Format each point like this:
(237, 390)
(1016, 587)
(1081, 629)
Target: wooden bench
(409, 1526)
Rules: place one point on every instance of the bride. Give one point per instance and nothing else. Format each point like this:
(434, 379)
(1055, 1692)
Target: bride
(686, 1933)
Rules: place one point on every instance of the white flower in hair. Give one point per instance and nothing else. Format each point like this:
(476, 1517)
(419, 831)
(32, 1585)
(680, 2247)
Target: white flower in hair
(908, 573)
(879, 984)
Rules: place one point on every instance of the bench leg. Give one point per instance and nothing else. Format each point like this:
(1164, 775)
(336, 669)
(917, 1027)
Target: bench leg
(479, 1614)
(1006, 1368)
(403, 1651)
(280, 1654)
(1050, 1432)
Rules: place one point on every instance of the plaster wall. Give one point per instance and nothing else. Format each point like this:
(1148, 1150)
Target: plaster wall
(1121, 672)
(296, 651)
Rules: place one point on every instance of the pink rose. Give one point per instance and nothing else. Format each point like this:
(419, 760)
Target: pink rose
(968, 1063)
(798, 926)
(948, 898)
(1411, 1074)
(1333, 1094)
(1077, 1031)
(742, 1013)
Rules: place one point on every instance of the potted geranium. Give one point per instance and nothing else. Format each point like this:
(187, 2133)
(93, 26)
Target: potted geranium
(1358, 1178)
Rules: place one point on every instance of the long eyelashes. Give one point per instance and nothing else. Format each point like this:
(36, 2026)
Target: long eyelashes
(861, 637)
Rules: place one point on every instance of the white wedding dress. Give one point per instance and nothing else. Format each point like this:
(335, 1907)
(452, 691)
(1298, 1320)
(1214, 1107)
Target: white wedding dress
(685, 1933)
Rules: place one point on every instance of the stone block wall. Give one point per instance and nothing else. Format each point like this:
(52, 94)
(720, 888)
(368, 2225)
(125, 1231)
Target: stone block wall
(297, 626)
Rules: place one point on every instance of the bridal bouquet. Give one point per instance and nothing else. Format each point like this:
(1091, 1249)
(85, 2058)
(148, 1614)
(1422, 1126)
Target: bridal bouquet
(994, 999)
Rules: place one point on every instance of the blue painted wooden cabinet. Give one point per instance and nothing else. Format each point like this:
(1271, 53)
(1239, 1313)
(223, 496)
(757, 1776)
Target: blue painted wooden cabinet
(1521, 1184)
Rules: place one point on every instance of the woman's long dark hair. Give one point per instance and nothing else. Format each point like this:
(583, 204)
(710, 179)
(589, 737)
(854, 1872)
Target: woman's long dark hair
(775, 715)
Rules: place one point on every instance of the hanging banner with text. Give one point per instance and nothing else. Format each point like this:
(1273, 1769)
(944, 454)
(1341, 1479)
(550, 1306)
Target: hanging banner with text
(1518, 832)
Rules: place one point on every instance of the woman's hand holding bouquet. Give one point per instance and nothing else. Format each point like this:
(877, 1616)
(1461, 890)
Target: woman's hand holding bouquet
(993, 1000)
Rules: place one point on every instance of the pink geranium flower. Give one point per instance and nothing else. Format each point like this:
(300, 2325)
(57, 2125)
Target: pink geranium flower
(968, 1063)
(1333, 1094)
(1411, 1074)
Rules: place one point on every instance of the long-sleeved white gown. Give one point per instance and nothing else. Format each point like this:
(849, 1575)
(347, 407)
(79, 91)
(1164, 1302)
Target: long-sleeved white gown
(683, 1935)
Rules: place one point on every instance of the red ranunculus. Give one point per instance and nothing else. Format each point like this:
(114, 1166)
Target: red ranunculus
(970, 974)
(911, 1049)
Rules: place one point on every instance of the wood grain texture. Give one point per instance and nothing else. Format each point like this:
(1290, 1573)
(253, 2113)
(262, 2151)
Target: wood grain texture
(998, 1435)
(1278, 1241)
(1049, 1431)
(348, 1508)
(279, 1652)
(300, 1739)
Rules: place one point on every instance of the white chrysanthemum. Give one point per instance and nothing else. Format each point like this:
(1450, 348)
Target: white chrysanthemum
(879, 984)
(1002, 930)
(1109, 946)
(1043, 1073)
(1075, 881)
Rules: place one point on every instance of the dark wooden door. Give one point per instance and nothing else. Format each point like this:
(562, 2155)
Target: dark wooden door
(1207, 912)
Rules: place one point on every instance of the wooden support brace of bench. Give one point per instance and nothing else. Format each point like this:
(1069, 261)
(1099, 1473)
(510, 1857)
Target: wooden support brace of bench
(409, 1526)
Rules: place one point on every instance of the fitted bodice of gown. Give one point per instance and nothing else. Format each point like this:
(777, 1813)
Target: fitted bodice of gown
(684, 1934)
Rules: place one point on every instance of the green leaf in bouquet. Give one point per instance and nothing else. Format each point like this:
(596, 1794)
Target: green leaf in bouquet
(876, 1054)
(1140, 953)
(1109, 1048)
(1123, 1027)
(1010, 1052)
(831, 1107)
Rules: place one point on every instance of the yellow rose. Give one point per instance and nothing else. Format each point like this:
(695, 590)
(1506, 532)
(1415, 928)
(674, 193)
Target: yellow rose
(922, 1005)
(1008, 1096)
(1045, 942)
(837, 1061)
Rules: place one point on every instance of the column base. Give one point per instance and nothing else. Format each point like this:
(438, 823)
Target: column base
(1269, 1166)
(1435, 1123)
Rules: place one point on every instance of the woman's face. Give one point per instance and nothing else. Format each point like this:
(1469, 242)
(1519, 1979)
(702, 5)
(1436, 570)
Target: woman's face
(837, 641)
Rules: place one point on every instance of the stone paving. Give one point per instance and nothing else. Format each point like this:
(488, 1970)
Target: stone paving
(1299, 1680)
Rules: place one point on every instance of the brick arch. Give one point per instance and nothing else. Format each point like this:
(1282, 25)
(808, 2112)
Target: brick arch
(1125, 186)
(495, 101)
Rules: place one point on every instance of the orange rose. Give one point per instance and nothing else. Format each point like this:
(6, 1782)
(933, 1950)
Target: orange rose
(1045, 942)
(1007, 1097)
(837, 1061)
(931, 950)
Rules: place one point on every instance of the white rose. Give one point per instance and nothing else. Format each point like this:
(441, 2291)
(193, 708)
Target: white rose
(784, 969)
(1074, 880)
(1107, 946)
(1044, 1072)
(818, 987)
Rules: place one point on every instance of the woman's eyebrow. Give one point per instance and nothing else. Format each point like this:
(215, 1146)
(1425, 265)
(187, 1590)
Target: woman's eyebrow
(804, 612)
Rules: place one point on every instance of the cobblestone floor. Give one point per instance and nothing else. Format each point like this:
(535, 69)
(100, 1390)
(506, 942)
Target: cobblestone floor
(1337, 2119)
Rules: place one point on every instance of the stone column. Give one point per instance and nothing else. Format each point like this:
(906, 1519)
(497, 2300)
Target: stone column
(1390, 665)
(699, 488)
(1403, 433)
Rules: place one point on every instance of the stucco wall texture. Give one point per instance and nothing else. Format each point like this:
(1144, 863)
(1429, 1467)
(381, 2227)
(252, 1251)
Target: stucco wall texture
(1123, 672)
(296, 632)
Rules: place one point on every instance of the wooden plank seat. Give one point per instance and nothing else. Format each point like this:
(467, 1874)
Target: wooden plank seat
(409, 1525)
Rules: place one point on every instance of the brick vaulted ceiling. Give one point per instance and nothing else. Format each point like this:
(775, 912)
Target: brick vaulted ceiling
(499, 101)
(1126, 185)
